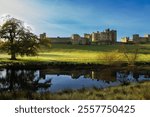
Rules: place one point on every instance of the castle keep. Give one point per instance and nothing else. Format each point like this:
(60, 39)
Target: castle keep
(106, 37)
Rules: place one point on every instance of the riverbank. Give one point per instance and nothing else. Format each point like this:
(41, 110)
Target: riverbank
(19, 64)
(107, 57)
(137, 91)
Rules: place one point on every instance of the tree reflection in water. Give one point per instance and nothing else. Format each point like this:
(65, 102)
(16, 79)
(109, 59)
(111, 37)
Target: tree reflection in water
(42, 80)
(22, 80)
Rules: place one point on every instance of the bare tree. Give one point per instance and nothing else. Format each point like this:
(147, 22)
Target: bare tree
(131, 55)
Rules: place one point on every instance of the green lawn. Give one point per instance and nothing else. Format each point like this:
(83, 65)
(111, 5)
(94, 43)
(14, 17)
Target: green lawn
(83, 54)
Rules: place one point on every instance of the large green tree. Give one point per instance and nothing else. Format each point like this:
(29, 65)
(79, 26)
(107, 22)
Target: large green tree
(19, 40)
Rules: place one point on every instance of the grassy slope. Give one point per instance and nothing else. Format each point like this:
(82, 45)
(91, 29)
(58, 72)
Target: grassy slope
(81, 54)
(130, 92)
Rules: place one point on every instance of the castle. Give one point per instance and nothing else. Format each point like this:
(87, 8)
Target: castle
(77, 39)
(136, 39)
(106, 37)
(56, 40)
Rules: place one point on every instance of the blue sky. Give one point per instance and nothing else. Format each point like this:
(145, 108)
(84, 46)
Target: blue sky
(65, 17)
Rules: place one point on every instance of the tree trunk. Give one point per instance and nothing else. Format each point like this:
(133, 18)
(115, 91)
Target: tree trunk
(13, 56)
(12, 51)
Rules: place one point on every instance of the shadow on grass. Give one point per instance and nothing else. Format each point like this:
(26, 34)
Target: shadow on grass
(143, 48)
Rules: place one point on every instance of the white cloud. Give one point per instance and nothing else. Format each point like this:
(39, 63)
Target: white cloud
(24, 10)
(43, 17)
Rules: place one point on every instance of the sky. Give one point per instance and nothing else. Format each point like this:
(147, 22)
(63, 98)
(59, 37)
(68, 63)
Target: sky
(66, 17)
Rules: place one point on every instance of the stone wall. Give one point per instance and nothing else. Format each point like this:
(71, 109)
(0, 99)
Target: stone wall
(106, 37)
(56, 40)
(138, 39)
(60, 40)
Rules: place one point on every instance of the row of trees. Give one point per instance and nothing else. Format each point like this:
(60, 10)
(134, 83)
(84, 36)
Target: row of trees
(17, 39)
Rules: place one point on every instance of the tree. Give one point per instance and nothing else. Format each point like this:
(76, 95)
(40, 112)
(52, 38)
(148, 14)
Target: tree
(131, 55)
(19, 40)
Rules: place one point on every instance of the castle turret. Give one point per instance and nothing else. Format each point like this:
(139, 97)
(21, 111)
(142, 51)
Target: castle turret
(43, 36)
(136, 38)
(75, 38)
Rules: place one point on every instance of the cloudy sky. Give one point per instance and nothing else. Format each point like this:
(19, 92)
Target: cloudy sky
(65, 17)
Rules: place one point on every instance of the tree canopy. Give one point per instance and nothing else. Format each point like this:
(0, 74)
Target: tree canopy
(19, 40)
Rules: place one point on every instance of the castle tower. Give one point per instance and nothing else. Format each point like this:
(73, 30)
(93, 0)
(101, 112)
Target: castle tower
(43, 36)
(114, 36)
(136, 38)
(75, 39)
(107, 36)
(94, 37)
(87, 36)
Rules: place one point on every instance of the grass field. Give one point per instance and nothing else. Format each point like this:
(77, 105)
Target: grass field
(131, 92)
(83, 54)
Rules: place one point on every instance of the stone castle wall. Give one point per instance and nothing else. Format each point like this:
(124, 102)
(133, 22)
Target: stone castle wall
(138, 39)
(106, 37)
(56, 40)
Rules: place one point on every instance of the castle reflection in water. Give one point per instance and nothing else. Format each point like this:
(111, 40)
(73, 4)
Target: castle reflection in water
(58, 78)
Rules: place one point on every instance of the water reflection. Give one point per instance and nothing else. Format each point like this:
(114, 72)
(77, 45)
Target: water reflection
(17, 80)
(56, 79)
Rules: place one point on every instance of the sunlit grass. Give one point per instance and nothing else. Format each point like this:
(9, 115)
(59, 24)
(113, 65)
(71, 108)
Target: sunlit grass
(80, 54)
(130, 92)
